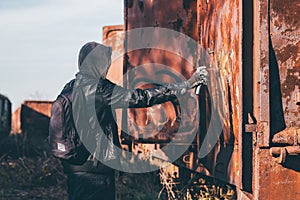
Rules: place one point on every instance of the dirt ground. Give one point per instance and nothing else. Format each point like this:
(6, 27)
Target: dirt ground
(28, 172)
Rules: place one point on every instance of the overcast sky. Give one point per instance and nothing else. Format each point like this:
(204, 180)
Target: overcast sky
(40, 40)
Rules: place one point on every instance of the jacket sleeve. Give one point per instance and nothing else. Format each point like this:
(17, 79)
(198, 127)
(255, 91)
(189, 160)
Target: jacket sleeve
(119, 97)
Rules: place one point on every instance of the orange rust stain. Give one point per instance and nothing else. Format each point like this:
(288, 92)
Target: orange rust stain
(219, 32)
(291, 82)
(285, 34)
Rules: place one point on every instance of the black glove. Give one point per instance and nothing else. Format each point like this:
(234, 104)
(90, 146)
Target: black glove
(199, 77)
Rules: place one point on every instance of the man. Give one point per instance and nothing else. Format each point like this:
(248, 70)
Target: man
(93, 97)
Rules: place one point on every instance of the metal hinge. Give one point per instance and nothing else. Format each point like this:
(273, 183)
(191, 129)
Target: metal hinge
(291, 138)
(261, 131)
(250, 128)
(280, 153)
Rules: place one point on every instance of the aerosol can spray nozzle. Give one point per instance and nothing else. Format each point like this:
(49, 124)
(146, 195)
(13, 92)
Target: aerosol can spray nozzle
(204, 80)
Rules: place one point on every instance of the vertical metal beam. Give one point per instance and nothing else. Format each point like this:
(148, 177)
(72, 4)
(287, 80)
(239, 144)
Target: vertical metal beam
(261, 87)
(261, 71)
(270, 179)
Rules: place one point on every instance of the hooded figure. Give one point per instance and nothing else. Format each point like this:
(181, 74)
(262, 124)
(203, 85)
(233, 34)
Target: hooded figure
(91, 179)
(94, 99)
(94, 60)
(95, 124)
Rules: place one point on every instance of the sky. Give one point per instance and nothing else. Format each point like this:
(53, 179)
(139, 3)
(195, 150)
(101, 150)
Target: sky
(40, 41)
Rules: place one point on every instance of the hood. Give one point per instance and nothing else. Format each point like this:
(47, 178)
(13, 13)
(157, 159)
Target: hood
(94, 60)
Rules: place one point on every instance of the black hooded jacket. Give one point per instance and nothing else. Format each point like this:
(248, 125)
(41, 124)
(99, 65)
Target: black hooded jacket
(95, 98)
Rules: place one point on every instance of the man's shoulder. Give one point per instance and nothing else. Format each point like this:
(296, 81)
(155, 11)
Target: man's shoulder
(69, 86)
(105, 85)
(70, 83)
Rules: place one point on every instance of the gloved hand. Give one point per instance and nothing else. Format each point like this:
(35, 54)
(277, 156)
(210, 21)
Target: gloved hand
(199, 77)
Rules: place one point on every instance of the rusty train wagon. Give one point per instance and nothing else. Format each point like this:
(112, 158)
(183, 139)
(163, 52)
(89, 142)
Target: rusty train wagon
(5, 116)
(248, 130)
(31, 120)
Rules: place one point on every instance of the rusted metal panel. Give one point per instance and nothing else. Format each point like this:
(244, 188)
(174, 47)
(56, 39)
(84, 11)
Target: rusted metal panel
(285, 36)
(160, 123)
(43, 107)
(289, 136)
(261, 98)
(35, 119)
(216, 26)
(180, 16)
(32, 117)
(276, 181)
(276, 46)
(113, 36)
(261, 70)
(16, 122)
(177, 15)
(220, 30)
(281, 154)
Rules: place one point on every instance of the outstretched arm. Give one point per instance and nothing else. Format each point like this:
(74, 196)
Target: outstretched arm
(119, 97)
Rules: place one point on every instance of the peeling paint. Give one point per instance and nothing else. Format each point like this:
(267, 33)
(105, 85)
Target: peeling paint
(216, 25)
(285, 35)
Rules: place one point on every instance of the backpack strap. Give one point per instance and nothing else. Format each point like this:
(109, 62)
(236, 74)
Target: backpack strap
(65, 97)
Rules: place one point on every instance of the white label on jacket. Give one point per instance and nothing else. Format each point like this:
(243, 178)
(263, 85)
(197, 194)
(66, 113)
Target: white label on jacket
(61, 147)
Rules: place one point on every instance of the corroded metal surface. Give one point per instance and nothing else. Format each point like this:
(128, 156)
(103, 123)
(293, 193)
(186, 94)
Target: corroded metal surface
(261, 89)
(177, 15)
(33, 117)
(276, 47)
(113, 36)
(43, 107)
(16, 121)
(220, 33)
(280, 154)
(275, 73)
(285, 35)
(289, 136)
(277, 181)
(216, 25)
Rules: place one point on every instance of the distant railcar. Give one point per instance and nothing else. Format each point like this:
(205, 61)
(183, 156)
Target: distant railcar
(5, 116)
